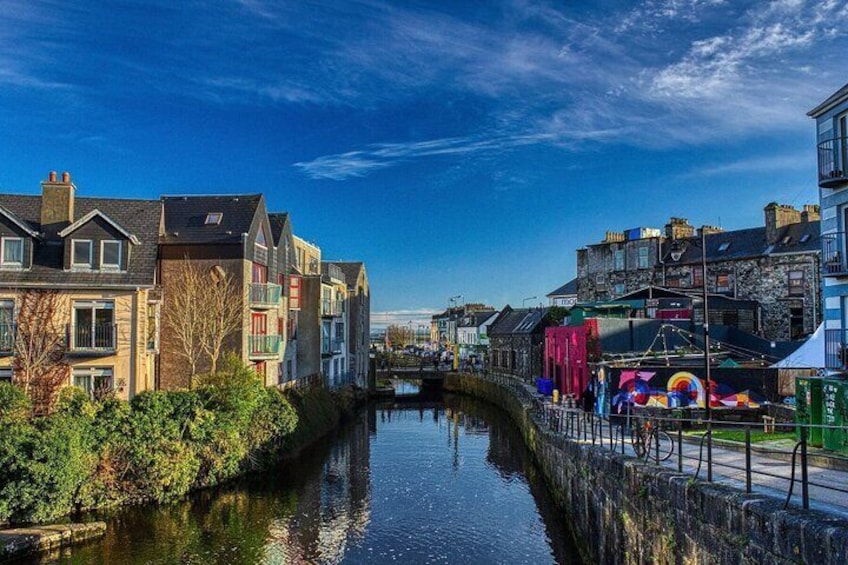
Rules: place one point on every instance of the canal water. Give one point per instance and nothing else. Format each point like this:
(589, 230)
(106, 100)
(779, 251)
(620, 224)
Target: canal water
(448, 481)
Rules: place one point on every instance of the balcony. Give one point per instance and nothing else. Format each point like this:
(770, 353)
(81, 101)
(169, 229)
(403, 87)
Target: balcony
(836, 349)
(338, 345)
(97, 339)
(833, 254)
(263, 346)
(7, 339)
(833, 157)
(331, 308)
(264, 295)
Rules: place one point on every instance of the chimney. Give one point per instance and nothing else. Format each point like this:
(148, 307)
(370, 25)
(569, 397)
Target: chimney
(707, 230)
(57, 203)
(810, 213)
(679, 228)
(778, 216)
(613, 237)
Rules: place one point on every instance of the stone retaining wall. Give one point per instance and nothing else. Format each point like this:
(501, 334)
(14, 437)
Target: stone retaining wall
(623, 510)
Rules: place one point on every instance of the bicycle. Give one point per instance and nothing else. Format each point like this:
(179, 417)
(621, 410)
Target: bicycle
(648, 441)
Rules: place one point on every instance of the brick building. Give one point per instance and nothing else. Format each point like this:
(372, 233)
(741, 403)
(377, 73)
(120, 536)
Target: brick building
(777, 265)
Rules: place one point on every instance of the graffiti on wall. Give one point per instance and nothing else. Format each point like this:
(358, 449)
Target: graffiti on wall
(681, 389)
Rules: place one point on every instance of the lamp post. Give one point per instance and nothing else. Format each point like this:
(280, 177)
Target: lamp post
(676, 253)
(524, 300)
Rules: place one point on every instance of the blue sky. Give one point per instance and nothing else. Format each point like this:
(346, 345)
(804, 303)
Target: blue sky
(457, 147)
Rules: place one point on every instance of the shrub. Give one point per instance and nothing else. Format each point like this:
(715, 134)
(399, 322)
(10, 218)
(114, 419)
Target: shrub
(14, 403)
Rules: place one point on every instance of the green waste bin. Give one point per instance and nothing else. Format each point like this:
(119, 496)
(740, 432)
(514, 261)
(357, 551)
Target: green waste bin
(808, 408)
(835, 413)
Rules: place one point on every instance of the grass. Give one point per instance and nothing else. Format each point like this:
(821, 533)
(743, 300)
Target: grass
(756, 437)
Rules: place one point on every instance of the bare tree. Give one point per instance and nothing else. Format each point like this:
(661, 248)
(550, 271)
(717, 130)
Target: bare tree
(399, 336)
(224, 309)
(40, 363)
(182, 313)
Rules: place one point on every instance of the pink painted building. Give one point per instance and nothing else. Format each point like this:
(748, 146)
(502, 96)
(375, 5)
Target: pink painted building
(566, 356)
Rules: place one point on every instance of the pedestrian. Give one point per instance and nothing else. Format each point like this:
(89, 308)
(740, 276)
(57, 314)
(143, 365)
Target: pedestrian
(588, 400)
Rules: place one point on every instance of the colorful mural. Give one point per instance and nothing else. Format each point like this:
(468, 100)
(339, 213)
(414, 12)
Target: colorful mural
(681, 389)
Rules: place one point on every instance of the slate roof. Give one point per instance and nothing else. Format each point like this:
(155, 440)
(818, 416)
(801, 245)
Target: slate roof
(832, 100)
(568, 288)
(518, 321)
(138, 217)
(185, 217)
(476, 319)
(747, 243)
(350, 269)
(278, 223)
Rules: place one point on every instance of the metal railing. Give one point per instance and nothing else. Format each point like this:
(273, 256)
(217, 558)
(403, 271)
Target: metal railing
(331, 307)
(832, 158)
(695, 452)
(264, 294)
(96, 338)
(263, 345)
(833, 254)
(7, 338)
(338, 345)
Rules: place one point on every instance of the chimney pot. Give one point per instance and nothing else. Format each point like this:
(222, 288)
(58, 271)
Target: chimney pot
(52, 176)
(66, 177)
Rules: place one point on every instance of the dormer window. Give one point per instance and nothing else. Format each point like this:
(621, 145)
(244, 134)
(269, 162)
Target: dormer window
(213, 218)
(110, 255)
(81, 253)
(13, 252)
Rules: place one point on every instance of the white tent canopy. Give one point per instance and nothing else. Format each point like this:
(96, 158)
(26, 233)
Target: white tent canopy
(808, 356)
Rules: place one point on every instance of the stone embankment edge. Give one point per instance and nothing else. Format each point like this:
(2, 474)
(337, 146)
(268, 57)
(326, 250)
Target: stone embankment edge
(17, 542)
(622, 510)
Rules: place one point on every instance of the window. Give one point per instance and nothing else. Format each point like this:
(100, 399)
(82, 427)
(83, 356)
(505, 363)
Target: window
(618, 260)
(724, 247)
(260, 239)
(672, 282)
(153, 327)
(643, 257)
(325, 367)
(697, 278)
(325, 337)
(94, 380)
(805, 238)
(7, 326)
(81, 253)
(618, 289)
(93, 325)
(600, 282)
(213, 218)
(259, 273)
(796, 283)
(5, 375)
(13, 252)
(723, 283)
(110, 255)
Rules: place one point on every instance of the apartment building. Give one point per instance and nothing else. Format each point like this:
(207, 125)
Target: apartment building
(308, 265)
(290, 283)
(334, 324)
(226, 236)
(97, 258)
(358, 318)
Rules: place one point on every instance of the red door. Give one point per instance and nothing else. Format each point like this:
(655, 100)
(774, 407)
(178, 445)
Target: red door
(258, 327)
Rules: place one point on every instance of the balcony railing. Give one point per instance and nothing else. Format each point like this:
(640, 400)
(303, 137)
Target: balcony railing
(264, 345)
(338, 345)
(836, 349)
(833, 157)
(833, 254)
(264, 295)
(99, 338)
(331, 307)
(7, 338)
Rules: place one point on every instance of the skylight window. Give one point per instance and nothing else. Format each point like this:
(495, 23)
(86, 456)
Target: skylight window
(213, 218)
(724, 246)
(805, 238)
(786, 239)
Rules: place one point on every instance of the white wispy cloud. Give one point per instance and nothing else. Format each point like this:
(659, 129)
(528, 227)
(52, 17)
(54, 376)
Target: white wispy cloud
(418, 317)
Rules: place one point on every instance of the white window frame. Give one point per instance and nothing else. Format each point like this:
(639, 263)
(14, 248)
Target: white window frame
(13, 264)
(74, 264)
(213, 218)
(643, 258)
(111, 267)
(92, 373)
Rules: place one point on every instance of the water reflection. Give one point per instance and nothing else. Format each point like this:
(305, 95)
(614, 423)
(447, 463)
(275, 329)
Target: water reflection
(423, 482)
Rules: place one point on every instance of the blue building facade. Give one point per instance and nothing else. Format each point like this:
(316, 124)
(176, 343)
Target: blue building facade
(831, 134)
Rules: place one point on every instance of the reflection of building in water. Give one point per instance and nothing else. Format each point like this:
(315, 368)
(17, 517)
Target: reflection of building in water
(333, 508)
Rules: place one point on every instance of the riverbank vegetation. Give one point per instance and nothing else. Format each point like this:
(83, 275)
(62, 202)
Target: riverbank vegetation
(157, 447)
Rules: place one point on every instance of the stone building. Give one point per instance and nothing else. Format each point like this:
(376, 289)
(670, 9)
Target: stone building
(100, 255)
(517, 341)
(777, 265)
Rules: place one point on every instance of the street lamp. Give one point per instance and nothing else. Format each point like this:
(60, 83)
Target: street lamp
(524, 300)
(677, 250)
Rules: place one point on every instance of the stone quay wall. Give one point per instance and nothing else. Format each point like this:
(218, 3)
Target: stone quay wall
(623, 510)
